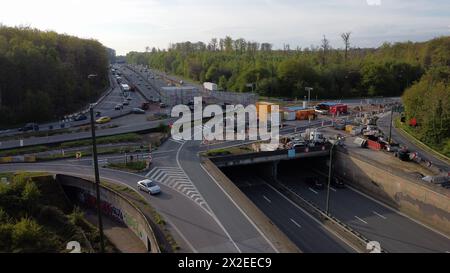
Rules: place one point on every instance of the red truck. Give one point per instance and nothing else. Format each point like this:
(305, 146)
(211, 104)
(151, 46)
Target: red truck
(338, 109)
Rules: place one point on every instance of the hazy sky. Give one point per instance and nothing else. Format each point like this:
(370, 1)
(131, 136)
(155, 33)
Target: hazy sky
(127, 25)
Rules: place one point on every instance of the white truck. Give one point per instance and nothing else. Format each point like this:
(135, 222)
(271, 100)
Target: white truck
(210, 86)
(313, 136)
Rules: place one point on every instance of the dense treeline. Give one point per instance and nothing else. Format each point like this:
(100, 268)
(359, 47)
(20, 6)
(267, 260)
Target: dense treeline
(44, 75)
(428, 101)
(333, 73)
(35, 217)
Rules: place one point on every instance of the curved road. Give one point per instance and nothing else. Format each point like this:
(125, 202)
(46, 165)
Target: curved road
(383, 124)
(191, 225)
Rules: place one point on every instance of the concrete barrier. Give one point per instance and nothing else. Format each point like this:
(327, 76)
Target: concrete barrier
(277, 238)
(427, 203)
(113, 205)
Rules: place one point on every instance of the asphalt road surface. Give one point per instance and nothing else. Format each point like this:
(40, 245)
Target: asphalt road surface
(375, 221)
(305, 231)
(192, 226)
(383, 125)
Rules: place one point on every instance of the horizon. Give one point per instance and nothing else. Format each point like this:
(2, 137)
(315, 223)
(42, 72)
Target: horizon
(134, 25)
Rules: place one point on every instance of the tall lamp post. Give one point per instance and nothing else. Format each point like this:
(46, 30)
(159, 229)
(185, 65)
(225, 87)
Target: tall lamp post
(390, 126)
(252, 86)
(330, 168)
(97, 175)
(309, 89)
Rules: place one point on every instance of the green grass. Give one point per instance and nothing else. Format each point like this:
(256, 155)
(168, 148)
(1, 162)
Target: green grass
(441, 149)
(25, 150)
(129, 166)
(229, 151)
(100, 151)
(132, 137)
(218, 152)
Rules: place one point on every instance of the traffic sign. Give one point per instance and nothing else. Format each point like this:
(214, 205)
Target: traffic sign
(78, 155)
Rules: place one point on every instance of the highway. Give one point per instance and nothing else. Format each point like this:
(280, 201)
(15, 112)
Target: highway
(303, 229)
(375, 221)
(383, 125)
(204, 219)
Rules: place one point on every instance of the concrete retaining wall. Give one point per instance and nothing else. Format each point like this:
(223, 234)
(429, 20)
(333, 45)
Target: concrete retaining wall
(114, 205)
(425, 203)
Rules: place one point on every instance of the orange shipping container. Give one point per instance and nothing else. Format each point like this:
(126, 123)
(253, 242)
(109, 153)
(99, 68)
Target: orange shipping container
(305, 114)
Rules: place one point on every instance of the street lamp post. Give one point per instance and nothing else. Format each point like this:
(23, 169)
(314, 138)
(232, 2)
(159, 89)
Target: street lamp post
(97, 179)
(330, 168)
(97, 175)
(251, 85)
(390, 126)
(309, 89)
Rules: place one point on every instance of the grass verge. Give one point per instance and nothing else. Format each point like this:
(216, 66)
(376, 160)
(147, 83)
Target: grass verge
(409, 133)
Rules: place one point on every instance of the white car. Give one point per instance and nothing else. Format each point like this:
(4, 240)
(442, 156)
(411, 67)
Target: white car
(149, 186)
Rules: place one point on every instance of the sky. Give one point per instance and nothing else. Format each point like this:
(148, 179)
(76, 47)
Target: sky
(132, 25)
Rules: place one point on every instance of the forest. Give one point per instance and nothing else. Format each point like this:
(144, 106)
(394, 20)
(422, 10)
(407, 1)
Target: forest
(44, 75)
(420, 68)
(243, 66)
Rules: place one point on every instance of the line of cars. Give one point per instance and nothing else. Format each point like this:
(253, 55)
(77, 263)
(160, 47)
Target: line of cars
(320, 183)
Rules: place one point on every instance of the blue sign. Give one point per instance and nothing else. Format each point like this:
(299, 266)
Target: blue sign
(291, 153)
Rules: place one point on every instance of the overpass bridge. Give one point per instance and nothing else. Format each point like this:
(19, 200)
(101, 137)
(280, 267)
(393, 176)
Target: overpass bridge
(271, 156)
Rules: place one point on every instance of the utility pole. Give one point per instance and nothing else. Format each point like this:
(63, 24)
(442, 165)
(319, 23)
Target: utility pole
(97, 180)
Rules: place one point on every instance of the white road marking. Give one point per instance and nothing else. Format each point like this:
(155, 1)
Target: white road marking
(267, 199)
(447, 251)
(361, 219)
(295, 223)
(313, 191)
(240, 209)
(333, 189)
(210, 212)
(314, 219)
(382, 216)
(399, 212)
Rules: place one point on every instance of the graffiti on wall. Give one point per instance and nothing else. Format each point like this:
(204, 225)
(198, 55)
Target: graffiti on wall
(115, 213)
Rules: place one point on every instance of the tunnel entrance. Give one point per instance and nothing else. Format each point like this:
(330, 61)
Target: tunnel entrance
(257, 183)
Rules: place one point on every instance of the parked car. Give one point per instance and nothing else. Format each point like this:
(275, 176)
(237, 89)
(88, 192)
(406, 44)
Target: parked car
(137, 111)
(102, 120)
(149, 186)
